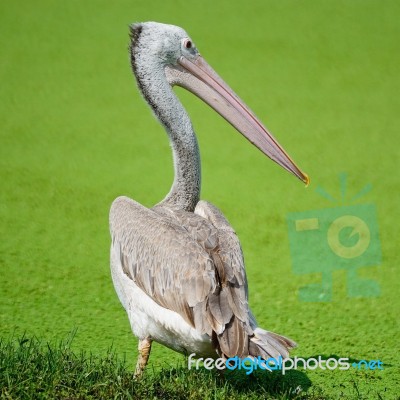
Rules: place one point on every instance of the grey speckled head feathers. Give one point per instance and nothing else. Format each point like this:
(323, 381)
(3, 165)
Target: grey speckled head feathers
(162, 41)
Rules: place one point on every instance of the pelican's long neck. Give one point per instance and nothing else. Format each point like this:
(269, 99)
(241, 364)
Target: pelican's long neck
(150, 75)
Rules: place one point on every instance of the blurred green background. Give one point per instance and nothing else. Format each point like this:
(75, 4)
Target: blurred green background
(75, 134)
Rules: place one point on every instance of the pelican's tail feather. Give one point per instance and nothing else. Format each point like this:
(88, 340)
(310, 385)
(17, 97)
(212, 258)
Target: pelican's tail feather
(269, 344)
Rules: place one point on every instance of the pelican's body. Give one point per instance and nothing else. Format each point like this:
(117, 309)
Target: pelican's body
(178, 267)
(147, 317)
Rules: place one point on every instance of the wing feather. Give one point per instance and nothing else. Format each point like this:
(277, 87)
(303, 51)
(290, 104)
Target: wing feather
(161, 258)
(190, 263)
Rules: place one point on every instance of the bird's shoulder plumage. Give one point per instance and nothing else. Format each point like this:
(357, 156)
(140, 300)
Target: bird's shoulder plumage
(190, 263)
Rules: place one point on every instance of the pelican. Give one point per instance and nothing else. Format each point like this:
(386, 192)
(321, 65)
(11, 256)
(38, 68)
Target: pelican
(178, 267)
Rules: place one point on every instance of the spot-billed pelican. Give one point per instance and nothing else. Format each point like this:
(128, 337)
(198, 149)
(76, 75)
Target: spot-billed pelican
(178, 267)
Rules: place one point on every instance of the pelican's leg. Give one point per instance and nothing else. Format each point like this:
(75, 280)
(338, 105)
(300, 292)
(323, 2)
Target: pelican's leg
(144, 353)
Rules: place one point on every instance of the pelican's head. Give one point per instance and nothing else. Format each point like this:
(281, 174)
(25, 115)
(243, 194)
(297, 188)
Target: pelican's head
(165, 42)
(170, 48)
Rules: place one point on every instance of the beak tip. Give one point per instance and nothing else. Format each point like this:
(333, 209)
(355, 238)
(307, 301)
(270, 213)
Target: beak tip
(306, 179)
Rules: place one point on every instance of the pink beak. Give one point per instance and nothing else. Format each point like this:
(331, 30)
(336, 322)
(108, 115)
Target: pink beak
(199, 78)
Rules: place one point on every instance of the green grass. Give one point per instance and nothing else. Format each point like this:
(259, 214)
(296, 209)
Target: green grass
(75, 134)
(31, 369)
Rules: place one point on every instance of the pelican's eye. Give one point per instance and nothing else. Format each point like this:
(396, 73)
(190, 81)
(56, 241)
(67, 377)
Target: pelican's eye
(187, 44)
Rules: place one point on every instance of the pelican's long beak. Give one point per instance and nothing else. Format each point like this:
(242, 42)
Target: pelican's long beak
(199, 78)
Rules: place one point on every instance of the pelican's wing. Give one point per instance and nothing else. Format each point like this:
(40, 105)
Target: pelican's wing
(161, 258)
(180, 262)
(229, 262)
(262, 343)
